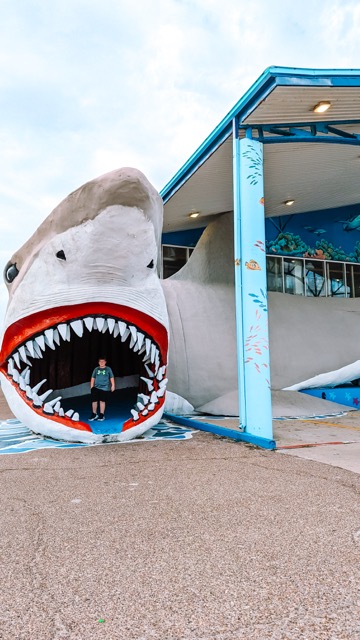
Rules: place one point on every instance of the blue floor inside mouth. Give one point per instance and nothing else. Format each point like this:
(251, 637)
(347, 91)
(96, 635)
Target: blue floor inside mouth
(116, 413)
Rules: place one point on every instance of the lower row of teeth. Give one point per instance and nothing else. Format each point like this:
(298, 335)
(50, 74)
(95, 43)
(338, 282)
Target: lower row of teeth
(144, 403)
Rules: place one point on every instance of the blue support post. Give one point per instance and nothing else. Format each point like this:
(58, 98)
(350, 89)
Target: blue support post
(238, 281)
(264, 443)
(250, 288)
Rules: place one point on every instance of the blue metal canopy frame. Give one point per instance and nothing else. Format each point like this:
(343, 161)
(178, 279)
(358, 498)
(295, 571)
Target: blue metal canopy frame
(309, 132)
(249, 234)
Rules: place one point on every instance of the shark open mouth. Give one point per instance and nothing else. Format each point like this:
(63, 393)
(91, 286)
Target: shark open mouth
(48, 358)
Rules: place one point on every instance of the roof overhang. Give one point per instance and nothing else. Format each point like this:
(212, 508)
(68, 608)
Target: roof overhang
(278, 109)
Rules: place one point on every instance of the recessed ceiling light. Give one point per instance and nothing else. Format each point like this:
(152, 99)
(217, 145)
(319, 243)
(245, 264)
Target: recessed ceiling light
(194, 214)
(289, 202)
(321, 107)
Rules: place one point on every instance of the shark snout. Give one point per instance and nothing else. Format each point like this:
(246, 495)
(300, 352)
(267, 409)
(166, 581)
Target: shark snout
(111, 258)
(86, 284)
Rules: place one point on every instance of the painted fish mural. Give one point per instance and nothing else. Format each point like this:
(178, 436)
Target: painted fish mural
(252, 265)
(316, 232)
(323, 238)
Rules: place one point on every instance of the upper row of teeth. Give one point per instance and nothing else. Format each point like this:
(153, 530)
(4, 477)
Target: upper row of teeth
(139, 343)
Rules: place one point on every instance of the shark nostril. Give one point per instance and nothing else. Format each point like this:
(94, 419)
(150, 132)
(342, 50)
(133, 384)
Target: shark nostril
(61, 255)
(150, 265)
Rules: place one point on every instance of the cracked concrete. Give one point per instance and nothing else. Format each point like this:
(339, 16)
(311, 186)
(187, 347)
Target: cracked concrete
(196, 540)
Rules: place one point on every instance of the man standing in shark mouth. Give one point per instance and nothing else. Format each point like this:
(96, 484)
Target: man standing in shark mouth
(86, 282)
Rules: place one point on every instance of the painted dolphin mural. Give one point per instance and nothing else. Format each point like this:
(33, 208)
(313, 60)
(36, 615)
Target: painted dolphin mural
(352, 223)
(86, 283)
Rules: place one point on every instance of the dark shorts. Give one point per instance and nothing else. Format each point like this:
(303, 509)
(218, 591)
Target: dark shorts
(99, 395)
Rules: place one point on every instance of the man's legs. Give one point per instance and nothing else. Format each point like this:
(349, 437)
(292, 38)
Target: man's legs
(94, 404)
(103, 398)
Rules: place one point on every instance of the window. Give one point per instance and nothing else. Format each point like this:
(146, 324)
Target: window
(274, 274)
(174, 259)
(336, 282)
(297, 276)
(356, 280)
(294, 276)
(315, 282)
(313, 278)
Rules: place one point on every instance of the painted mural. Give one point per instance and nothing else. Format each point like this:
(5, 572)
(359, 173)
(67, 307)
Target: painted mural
(333, 234)
(15, 437)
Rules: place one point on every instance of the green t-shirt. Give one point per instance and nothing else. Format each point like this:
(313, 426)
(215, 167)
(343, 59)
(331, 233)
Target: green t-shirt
(102, 377)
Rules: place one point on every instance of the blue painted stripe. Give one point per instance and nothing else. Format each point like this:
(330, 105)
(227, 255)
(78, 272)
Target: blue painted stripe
(318, 74)
(264, 443)
(326, 80)
(239, 316)
(182, 238)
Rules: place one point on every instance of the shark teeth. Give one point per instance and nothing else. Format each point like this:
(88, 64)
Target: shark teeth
(149, 383)
(146, 404)
(154, 381)
(77, 327)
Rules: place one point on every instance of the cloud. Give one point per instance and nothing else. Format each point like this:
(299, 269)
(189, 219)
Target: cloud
(86, 86)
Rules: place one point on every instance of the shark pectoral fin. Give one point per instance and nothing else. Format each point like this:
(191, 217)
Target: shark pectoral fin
(177, 405)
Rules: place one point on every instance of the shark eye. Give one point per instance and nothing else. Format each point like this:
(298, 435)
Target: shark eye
(61, 255)
(10, 272)
(150, 265)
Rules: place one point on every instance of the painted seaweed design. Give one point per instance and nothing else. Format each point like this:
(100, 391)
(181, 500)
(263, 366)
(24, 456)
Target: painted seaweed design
(260, 299)
(255, 345)
(255, 159)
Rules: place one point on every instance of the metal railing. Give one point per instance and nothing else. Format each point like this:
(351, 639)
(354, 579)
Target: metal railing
(307, 276)
(313, 277)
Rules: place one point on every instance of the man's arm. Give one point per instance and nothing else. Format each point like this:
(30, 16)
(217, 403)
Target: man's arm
(112, 382)
(92, 382)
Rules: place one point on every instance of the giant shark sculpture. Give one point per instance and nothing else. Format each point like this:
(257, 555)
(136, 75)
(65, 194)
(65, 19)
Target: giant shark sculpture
(86, 282)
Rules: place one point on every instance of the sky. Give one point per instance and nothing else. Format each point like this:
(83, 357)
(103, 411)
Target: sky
(87, 86)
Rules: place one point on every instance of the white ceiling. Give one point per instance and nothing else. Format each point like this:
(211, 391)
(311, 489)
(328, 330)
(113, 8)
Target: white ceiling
(316, 175)
(295, 104)
(209, 191)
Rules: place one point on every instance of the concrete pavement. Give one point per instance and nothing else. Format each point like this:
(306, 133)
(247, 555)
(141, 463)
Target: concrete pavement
(196, 540)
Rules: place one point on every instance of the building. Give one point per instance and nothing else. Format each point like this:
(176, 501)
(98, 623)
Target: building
(286, 161)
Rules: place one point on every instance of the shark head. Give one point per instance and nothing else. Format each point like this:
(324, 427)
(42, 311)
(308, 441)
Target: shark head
(84, 285)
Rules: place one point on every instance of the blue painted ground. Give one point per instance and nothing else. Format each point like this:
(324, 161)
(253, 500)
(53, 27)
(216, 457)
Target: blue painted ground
(116, 413)
(349, 396)
(15, 437)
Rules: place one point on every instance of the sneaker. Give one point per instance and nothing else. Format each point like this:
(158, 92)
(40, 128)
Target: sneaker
(93, 416)
(101, 417)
